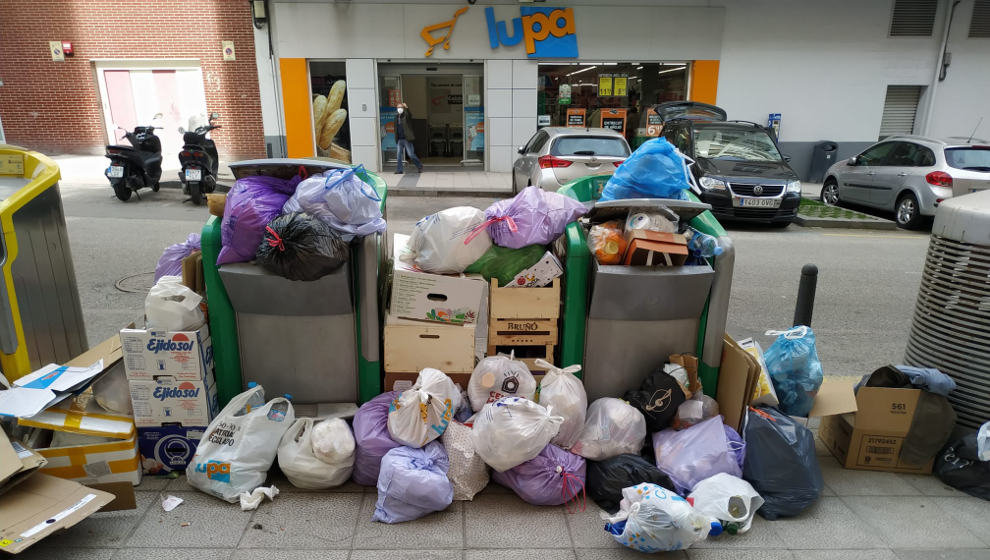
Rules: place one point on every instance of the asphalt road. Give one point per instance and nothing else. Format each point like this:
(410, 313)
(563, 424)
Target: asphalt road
(866, 291)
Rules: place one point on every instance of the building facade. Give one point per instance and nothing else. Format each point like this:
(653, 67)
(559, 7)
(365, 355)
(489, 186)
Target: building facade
(479, 79)
(129, 62)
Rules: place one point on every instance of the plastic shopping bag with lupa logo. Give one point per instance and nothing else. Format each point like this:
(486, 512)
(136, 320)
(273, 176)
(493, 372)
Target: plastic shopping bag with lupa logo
(420, 414)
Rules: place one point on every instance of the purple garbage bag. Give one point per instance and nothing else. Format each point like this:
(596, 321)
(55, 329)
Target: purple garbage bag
(413, 483)
(251, 204)
(532, 217)
(691, 455)
(552, 478)
(737, 447)
(371, 438)
(170, 263)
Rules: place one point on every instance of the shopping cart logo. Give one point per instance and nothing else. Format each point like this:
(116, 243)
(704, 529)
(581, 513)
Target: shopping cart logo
(544, 31)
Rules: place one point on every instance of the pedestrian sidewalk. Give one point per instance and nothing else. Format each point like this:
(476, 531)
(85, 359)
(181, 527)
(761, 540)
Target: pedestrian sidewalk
(460, 182)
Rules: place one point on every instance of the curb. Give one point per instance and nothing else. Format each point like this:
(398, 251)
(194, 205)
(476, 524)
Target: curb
(877, 224)
(480, 193)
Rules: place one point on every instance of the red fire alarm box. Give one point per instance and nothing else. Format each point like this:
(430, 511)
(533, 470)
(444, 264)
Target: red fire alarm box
(67, 48)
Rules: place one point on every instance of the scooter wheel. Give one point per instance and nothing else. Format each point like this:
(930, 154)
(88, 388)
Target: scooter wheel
(156, 186)
(122, 192)
(195, 193)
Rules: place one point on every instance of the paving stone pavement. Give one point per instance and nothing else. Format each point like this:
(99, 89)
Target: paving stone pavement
(862, 515)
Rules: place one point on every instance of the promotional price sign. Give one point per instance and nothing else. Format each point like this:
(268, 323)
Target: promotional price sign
(605, 85)
(614, 119)
(575, 117)
(654, 124)
(620, 86)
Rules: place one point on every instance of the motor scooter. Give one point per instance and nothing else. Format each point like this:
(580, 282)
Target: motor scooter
(136, 166)
(198, 160)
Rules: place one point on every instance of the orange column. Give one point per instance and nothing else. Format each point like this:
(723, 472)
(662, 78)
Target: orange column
(296, 106)
(704, 81)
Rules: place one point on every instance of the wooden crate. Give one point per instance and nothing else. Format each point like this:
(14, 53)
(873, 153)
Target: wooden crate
(522, 332)
(524, 303)
(526, 353)
(414, 345)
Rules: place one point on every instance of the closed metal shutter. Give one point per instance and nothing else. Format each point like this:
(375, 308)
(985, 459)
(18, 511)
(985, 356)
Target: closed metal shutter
(899, 110)
(913, 18)
(979, 26)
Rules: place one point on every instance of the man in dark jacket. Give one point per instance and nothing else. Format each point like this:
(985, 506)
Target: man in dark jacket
(404, 138)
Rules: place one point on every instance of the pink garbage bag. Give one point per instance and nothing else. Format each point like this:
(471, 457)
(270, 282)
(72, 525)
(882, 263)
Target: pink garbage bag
(532, 217)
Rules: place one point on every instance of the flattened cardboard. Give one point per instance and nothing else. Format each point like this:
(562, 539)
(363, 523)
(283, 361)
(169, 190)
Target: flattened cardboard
(42, 505)
(16, 463)
(124, 497)
(736, 379)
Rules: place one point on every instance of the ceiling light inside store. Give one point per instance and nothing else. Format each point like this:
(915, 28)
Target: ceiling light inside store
(672, 70)
(581, 70)
(639, 68)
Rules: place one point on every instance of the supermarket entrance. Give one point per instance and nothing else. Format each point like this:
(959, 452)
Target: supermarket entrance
(446, 105)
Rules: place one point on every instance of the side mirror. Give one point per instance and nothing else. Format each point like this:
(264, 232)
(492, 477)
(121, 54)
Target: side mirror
(854, 160)
(157, 116)
(214, 115)
(182, 130)
(787, 157)
(521, 149)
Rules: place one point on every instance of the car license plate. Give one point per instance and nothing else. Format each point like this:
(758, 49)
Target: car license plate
(194, 174)
(115, 171)
(757, 202)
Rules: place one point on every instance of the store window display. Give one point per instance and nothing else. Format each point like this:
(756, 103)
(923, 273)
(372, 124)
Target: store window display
(328, 84)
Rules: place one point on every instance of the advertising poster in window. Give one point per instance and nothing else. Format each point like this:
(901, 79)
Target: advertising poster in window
(614, 119)
(619, 89)
(654, 124)
(329, 88)
(605, 85)
(576, 116)
(387, 115)
(474, 125)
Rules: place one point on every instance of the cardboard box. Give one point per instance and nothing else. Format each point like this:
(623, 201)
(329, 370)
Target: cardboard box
(89, 463)
(165, 400)
(414, 345)
(540, 274)
(440, 298)
(168, 448)
(35, 505)
(871, 438)
(185, 355)
(655, 248)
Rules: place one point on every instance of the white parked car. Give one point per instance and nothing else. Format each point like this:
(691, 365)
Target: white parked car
(555, 156)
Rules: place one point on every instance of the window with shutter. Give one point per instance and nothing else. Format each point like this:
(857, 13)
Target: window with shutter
(913, 18)
(899, 110)
(979, 26)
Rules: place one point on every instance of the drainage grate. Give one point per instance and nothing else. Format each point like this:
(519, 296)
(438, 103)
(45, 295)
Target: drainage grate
(136, 283)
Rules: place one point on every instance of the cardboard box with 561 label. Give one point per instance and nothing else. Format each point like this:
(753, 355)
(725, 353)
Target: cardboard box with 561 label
(184, 355)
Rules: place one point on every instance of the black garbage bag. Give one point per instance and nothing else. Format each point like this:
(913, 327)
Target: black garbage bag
(781, 463)
(959, 466)
(299, 246)
(657, 398)
(606, 479)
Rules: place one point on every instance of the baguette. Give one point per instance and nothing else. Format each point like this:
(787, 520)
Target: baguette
(331, 127)
(320, 113)
(336, 96)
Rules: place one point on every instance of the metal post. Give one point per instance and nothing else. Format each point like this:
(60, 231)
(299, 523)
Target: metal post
(806, 295)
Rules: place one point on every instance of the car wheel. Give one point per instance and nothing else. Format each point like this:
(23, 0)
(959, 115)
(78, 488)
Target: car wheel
(515, 188)
(906, 212)
(830, 192)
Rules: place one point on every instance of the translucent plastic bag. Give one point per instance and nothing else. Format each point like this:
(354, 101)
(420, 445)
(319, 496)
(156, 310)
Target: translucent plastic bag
(420, 414)
(512, 430)
(372, 438)
(552, 478)
(562, 393)
(504, 263)
(983, 442)
(795, 369)
(171, 306)
(499, 376)
(699, 407)
(691, 455)
(298, 246)
(413, 483)
(250, 205)
(655, 170)
(240, 445)
(613, 427)
(730, 499)
(333, 442)
(299, 463)
(532, 217)
(448, 241)
(607, 242)
(170, 263)
(113, 392)
(654, 519)
(341, 199)
(468, 471)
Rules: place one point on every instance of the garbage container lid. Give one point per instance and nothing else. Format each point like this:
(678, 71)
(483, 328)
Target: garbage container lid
(613, 209)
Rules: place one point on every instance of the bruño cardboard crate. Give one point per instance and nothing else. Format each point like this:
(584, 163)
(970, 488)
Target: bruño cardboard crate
(516, 332)
(524, 303)
(414, 345)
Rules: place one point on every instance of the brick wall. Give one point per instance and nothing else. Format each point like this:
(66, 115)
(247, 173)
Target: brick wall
(55, 106)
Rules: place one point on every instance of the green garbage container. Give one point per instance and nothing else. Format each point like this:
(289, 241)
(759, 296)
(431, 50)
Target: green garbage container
(319, 341)
(619, 322)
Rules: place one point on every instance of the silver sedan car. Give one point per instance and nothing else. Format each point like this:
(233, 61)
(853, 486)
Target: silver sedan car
(909, 175)
(555, 156)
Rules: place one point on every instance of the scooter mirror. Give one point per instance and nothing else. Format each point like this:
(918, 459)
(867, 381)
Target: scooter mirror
(157, 116)
(182, 130)
(214, 115)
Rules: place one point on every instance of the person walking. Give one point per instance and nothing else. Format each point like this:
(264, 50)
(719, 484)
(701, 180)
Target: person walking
(404, 138)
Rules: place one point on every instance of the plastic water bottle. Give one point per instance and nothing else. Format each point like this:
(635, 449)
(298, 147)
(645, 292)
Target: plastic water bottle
(257, 398)
(703, 245)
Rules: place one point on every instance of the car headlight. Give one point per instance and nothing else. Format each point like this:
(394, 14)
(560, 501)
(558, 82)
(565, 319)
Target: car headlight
(712, 184)
(794, 187)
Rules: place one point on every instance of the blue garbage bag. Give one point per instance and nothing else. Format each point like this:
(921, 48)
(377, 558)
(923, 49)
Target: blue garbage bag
(412, 483)
(654, 170)
(781, 463)
(795, 370)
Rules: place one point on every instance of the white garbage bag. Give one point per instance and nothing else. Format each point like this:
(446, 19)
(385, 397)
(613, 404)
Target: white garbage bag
(303, 467)
(420, 414)
(562, 393)
(613, 427)
(239, 446)
(513, 430)
(653, 519)
(499, 376)
(448, 241)
(730, 499)
(171, 306)
(333, 442)
(468, 471)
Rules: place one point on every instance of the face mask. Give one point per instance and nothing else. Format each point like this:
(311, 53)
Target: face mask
(401, 110)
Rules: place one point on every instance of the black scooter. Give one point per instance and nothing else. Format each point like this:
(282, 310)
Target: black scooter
(136, 166)
(199, 161)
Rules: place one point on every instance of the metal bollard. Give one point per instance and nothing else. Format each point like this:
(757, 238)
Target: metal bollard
(806, 295)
